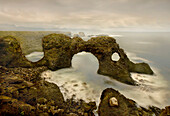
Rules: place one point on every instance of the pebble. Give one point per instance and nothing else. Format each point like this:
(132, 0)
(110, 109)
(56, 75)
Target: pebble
(113, 101)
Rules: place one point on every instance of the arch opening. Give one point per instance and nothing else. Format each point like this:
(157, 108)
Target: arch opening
(35, 56)
(115, 57)
(85, 62)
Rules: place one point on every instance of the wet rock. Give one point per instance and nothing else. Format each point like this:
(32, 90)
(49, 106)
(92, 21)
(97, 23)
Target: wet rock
(36, 96)
(166, 111)
(89, 107)
(10, 106)
(50, 91)
(140, 68)
(126, 107)
(113, 101)
(11, 54)
(59, 47)
(19, 92)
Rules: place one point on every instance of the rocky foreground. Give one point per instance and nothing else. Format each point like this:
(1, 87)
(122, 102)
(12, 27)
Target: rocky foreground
(24, 92)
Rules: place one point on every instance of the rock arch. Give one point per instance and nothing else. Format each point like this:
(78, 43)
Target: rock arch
(59, 50)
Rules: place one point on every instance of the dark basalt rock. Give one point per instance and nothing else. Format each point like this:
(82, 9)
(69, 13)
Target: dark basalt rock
(126, 107)
(59, 50)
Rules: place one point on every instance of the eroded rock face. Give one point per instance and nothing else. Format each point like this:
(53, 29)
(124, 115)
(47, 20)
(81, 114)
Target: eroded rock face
(11, 54)
(126, 107)
(59, 50)
(22, 96)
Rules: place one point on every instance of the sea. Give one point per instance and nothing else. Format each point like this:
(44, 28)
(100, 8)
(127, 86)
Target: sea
(81, 81)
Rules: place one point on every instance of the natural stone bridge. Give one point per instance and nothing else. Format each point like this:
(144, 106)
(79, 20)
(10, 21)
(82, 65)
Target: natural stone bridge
(59, 50)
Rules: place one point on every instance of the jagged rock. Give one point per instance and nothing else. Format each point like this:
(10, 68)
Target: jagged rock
(16, 88)
(59, 50)
(12, 107)
(166, 111)
(126, 107)
(89, 107)
(11, 54)
(21, 97)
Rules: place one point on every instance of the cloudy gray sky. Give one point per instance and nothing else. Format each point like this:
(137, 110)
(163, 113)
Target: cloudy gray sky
(116, 15)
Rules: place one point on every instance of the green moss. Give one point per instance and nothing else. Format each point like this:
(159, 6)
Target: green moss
(22, 113)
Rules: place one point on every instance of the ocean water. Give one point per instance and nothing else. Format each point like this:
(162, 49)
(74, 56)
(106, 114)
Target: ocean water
(81, 81)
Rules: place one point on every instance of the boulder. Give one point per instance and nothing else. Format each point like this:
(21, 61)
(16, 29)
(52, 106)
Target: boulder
(11, 53)
(126, 107)
(57, 51)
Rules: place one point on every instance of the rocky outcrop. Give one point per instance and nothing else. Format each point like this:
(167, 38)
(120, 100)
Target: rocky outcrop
(20, 95)
(59, 50)
(126, 107)
(11, 54)
(165, 112)
(23, 92)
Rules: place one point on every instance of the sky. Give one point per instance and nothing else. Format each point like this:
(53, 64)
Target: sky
(99, 15)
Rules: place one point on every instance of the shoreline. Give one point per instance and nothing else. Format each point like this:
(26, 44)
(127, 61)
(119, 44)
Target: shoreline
(22, 87)
(13, 81)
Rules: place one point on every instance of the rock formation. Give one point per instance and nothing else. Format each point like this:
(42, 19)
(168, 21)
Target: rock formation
(24, 92)
(59, 50)
(126, 107)
(11, 54)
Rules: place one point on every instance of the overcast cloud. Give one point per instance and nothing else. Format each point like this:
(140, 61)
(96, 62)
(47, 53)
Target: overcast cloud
(85, 14)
